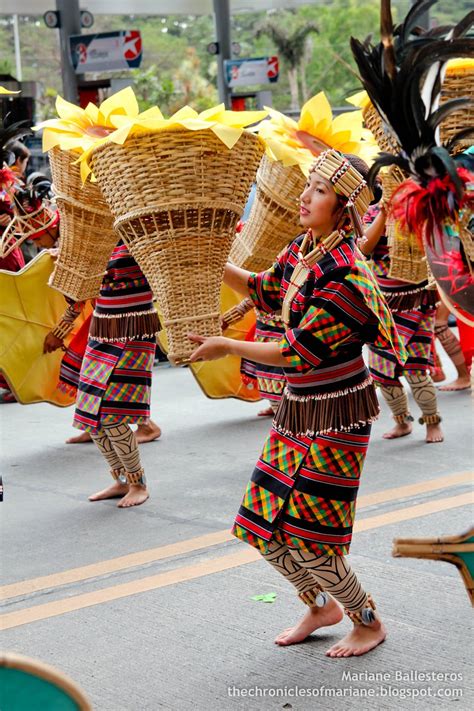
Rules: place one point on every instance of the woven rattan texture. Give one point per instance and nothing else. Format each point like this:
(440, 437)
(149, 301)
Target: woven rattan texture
(177, 196)
(273, 219)
(67, 180)
(87, 235)
(407, 260)
(386, 141)
(456, 86)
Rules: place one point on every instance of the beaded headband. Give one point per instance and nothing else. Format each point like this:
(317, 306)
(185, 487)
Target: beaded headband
(346, 180)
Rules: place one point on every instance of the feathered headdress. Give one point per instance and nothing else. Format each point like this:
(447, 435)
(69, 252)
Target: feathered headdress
(403, 77)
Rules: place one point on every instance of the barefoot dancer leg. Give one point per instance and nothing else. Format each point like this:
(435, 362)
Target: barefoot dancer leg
(453, 349)
(319, 615)
(397, 400)
(424, 393)
(321, 581)
(118, 445)
(120, 487)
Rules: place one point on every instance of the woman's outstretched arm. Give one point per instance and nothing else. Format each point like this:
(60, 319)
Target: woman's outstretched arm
(218, 346)
(236, 278)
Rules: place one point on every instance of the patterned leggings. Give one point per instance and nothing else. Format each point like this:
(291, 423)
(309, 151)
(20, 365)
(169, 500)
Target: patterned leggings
(450, 343)
(118, 445)
(424, 393)
(312, 575)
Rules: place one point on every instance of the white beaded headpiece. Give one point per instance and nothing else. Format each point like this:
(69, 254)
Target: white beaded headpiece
(346, 179)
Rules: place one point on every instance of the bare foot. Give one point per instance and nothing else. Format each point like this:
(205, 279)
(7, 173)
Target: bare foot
(268, 412)
(147, 433)
(401, 429)
(437, 375)
(315, 618)
(360, 640)
(117, 490)
(461, 383)
(137, 494)
(434, 433)
(79, 439)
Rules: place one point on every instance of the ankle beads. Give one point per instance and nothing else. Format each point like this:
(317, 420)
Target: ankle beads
(402, 419)
(365, 616)
(119, 475)
(430, 419)
(314, 598)
(136, 478)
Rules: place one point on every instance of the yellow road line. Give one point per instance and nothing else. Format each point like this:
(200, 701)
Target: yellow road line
(151, 555)
(425, 509)
(104, 567)
(208, 567)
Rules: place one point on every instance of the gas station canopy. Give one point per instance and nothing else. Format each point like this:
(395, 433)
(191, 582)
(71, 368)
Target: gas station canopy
(147, 7)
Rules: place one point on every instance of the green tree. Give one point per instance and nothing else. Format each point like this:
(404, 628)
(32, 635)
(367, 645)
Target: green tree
(291, 43)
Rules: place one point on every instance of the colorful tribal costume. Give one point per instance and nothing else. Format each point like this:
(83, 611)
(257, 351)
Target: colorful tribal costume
(270, 379)
(115, 379)
(299, 507)
(414, 308)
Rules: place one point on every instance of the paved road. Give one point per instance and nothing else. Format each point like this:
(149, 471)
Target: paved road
(151, 608)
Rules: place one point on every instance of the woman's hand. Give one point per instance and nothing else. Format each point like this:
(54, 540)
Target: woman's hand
(210, 348)
(52, 343)
(5, 219)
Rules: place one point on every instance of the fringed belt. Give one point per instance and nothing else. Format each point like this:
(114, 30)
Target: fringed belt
(407, 300)
(339, 411)
(124, 327)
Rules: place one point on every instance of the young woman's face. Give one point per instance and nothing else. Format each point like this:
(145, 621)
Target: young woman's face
(318, 205)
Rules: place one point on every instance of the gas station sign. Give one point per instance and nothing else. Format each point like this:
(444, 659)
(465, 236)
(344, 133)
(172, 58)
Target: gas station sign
(254, 70)
(106, 51)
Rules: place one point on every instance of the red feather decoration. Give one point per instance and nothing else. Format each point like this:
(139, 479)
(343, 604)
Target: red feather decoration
(422, 210)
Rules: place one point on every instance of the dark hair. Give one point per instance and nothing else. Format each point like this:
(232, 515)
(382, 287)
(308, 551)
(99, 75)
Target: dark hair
(19, 150)
(361, 166)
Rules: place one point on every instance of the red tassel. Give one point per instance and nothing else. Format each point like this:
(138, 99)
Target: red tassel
(421, 210)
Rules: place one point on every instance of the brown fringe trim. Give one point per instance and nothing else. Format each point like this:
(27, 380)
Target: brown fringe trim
(124, 327)
(343, 410)
(413, 299)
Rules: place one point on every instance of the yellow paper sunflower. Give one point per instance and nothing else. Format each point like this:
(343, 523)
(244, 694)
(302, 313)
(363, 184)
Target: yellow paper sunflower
(118, 118)
(296, 143)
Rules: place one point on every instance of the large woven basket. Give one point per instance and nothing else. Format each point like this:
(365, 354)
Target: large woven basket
(273, 219)
(176, 196)
(458, 83)
(86, 228)
(407, 258)
(385, 139)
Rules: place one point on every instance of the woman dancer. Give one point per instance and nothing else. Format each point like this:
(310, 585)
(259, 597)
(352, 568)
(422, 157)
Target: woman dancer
(414, 308)
(115, 378)
(299, 507)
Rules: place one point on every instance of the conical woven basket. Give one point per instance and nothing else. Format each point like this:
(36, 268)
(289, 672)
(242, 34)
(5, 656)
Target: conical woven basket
(407, 258)
(176, 196)
(385, 139)
(273, 219)
(458, 83)
(86, 228)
